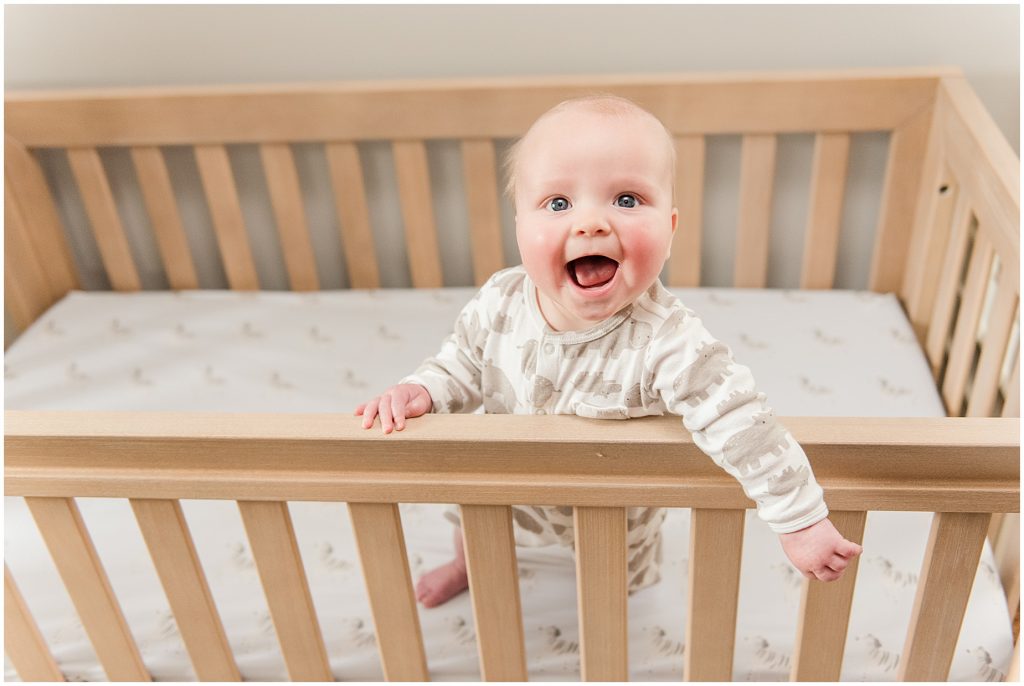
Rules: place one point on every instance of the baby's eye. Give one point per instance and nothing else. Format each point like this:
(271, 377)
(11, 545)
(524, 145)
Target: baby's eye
(558, 204)
(626, 200)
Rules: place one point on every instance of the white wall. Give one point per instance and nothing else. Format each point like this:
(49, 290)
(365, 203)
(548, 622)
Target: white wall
(62, 46)
(118, 45)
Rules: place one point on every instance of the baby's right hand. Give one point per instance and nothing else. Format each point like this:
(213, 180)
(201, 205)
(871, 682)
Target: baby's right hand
(396, 404)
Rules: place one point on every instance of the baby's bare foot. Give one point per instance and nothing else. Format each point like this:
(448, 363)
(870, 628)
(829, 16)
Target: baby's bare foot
(438, 586)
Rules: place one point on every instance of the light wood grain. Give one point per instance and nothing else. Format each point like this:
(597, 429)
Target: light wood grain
(1013, 674)
(276, 553)
(927, 228)
(174, 555)
(481, 188)
(716, 545)
(353, 214)
(492, 107)
(494, 585)
(684, 262)
(35, 200)
(1011, 406)
(941, 318)
(965, 332)
(907, 147)
(950, 564)
(28, 291)
(418, 213)
(94, 189)
(861, 462)
(23, 643)
(381, 544)
(986, 166)
(290, 215)
(757, 178)
(80, 569)
(164, 217)
(828, 184)
(993, 348)
(924, 288)
(825, 613)
(228, 223)
(601, 577)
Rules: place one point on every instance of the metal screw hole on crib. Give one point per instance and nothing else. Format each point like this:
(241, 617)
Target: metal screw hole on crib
(943, 189)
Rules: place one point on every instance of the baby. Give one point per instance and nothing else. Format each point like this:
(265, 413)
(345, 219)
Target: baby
(585, 327)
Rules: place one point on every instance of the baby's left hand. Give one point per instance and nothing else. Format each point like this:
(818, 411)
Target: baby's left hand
(819, 551)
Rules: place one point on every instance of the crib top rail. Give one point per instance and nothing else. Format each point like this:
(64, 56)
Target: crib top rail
(862, 463)
(847, 100)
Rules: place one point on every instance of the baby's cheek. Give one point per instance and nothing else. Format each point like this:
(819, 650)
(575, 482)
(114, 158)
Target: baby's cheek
(647, 255)
(541, 256)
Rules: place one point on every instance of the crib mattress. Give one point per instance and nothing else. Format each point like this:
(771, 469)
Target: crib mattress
(832, 353)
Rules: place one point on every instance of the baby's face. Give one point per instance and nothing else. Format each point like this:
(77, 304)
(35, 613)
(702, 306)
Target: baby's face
(594, 214)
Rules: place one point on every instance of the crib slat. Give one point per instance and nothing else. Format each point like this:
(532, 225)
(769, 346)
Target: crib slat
(928, 232)
(684, 263)
(907, 147)
(494, 585)
(353, 215)
(106, 224)
(828, 182)
(167, 536)
(757, 177)
(418, 213)
(993, 348)
(381, 543)
(945, 297)
(1011, 406)
(80, 569)
(481, 187)
(23, 642)
(228, 223)
(35, 201)
(947, 575)
(269, 529)
(924, 272)
(825, 613)
(716, 546)
(961, 351)
(290, 215)
(164, 216)
(601, 578)
(28, 293)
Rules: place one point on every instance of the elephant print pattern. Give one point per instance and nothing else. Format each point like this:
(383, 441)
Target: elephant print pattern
(653, 357)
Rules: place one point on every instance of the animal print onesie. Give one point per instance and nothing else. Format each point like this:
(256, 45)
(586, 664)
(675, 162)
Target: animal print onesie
(652, 357)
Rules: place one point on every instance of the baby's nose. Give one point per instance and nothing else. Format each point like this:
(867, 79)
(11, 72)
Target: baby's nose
(591, 226)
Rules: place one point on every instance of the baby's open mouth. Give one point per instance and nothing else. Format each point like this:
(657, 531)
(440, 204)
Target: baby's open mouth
(592, 271)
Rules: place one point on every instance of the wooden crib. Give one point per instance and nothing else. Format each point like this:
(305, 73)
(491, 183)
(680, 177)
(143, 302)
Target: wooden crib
(947, 243)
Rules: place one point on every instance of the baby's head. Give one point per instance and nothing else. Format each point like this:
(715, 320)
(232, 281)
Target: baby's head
(592, 182)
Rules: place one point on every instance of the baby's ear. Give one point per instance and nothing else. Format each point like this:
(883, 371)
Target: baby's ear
(675, 224)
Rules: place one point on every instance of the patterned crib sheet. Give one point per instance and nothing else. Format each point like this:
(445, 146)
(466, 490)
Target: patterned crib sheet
(813, 353)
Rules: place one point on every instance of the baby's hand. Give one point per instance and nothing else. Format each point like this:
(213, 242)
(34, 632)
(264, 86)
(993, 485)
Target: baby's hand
(396, 404)
(819, 551)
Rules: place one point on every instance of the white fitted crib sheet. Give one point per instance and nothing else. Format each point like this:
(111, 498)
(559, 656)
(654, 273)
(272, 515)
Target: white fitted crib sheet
(832, 353)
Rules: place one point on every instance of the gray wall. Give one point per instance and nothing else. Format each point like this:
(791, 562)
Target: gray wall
(123, 45)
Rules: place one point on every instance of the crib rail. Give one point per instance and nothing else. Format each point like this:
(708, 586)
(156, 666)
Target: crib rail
(479, 116)
(486, 464)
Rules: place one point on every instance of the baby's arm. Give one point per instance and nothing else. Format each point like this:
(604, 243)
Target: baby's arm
(395, 405)
(699, 380)
(448, 382)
